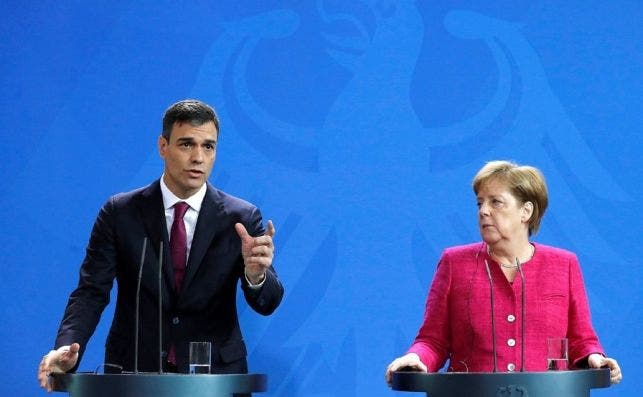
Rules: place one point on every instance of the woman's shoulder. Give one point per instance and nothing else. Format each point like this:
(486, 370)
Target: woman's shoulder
(554, 254)
(553, 251)
(464, 251)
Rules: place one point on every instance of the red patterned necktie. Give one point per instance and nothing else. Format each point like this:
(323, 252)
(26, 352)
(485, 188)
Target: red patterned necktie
(178, 244)
(178, 250)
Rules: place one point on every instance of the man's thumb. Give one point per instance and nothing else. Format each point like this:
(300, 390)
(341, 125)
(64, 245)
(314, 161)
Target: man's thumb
(241, 231)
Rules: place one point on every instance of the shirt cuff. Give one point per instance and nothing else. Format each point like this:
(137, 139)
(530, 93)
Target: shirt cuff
(254, 286)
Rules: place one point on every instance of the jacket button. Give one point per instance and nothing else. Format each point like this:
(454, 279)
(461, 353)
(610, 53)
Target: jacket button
(511, 318)
(511, 367)
(175, 320)
(511, 342)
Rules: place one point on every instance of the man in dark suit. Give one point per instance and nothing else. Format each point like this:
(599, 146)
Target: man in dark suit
(220, 241)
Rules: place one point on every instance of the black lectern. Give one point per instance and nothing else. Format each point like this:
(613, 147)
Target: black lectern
(575, 383)
(157, 385)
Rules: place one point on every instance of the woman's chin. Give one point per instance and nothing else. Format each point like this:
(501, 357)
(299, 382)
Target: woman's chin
(489, 239)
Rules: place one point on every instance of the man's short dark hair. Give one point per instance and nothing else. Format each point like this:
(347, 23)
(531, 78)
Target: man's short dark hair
(190, 111)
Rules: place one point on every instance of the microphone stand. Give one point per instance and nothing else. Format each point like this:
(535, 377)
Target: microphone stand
(493, 321)
(522, 316)
(160, 309)
(138, 301)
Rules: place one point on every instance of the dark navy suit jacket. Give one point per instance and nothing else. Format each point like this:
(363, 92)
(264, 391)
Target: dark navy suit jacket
(205, 309)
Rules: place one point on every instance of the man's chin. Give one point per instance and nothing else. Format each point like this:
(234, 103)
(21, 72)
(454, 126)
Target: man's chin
(195, 179)
(196, 184)
(191, 186)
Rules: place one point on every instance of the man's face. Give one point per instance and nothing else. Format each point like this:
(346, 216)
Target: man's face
(189, 156)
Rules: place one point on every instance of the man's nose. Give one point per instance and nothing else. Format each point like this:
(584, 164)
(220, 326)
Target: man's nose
(197, 155)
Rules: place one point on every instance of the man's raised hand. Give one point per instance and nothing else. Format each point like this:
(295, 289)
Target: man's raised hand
(257, 252)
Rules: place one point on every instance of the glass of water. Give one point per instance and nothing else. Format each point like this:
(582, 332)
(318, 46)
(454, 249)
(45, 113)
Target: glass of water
(557, 358)
(200, 357)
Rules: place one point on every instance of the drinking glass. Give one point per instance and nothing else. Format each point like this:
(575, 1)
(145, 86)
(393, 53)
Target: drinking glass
(200, 357)
(557, 359)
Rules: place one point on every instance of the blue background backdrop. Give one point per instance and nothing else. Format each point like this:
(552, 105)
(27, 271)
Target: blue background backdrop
(355, 125)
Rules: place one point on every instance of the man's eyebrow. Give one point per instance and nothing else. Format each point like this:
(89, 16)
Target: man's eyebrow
(192, 140)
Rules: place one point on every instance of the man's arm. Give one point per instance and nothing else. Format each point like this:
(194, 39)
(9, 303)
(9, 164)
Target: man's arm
(87, 302)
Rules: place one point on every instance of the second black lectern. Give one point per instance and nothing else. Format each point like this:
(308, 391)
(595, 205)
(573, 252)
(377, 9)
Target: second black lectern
(577, 383)
(157, 385)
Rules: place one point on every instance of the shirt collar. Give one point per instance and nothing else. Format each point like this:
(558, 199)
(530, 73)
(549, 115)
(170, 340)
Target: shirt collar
(169, 198)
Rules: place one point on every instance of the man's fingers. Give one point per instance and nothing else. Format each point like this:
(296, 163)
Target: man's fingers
(263, 240)
(271, 229)
(44, 382)
(44, 369)
(260, 261)
(261, 250)
(42, 378)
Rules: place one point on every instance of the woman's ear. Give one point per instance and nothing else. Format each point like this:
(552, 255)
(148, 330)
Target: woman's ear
(527, 211)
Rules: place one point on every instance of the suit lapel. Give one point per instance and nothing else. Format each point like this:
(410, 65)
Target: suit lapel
(153, 217)
(207, 226)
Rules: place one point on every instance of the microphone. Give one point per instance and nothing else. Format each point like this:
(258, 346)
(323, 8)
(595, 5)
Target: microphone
(160, 309)
(493, 320)
(138, 301)
(522, 315)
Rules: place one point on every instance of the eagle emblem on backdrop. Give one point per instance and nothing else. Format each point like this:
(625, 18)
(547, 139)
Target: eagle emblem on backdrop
(361, 173)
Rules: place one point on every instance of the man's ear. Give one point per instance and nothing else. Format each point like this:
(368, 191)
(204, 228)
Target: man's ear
(162, 145)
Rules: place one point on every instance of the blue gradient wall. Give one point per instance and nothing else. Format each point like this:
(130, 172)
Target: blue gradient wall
(356, 126)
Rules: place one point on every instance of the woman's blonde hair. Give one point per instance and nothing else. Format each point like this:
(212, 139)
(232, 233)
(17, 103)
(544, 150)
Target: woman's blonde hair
(525, 183)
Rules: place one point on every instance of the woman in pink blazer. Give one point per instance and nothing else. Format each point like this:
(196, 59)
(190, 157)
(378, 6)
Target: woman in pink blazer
(457, 323)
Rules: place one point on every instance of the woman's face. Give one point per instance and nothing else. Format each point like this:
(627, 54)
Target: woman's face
(500, 215)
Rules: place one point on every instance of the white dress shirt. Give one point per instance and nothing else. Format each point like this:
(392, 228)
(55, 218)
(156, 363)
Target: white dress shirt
(189, 219)
(191, 215)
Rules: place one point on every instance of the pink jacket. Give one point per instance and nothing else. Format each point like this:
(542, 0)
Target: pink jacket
(457, 322)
